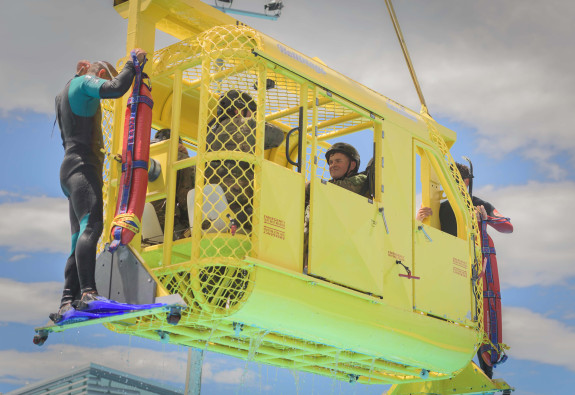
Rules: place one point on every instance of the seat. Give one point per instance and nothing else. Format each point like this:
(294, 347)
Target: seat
(151, 230)
(214, 207)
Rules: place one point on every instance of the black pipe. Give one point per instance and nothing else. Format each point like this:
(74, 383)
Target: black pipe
(299, 128)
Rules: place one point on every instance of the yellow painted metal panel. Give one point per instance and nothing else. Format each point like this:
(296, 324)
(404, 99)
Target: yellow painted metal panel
(346, 239)
(159, 152)
(162, 111)
(180, 18)
(306, 308)
(181, 250)
(141, 26)
(444, 287)
(471, 380)
(282, 217)
(397, 204)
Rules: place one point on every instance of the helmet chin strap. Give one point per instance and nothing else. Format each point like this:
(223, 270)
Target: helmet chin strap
(346, 172)
(348, 168)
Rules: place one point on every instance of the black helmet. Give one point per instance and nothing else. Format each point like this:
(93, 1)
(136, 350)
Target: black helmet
(463, 170)
(346, 149)
(161, 135)
(235, 100)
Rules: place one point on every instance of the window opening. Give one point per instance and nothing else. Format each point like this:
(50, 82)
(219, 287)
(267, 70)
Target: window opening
(430, 190)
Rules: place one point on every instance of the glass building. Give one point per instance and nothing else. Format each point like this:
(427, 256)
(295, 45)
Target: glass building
(96, 379)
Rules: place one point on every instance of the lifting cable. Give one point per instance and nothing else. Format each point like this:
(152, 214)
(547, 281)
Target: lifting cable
(406, 55)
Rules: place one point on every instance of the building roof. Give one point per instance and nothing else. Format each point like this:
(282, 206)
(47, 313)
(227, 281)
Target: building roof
(96, 379)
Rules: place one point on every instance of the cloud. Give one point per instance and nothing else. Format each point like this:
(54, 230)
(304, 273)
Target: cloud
(34, 224)
(502, 70)
(17, 367)
(534, 337)
(30, 309)
(540, 251)
(236, 376)
(476, 63)
(7, 194)
(18, 257)
(31, 74)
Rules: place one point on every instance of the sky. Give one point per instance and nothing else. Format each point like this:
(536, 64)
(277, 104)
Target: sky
(498, 73)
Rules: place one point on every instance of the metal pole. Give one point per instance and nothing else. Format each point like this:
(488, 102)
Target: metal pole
(194, 371)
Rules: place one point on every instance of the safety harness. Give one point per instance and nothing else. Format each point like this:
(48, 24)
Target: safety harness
(495, 349)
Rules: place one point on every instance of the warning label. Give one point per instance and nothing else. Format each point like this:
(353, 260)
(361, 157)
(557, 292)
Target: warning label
(460, 267)
(274, 227)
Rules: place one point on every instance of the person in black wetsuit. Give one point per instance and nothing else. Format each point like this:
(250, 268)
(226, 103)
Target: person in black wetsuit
(79, 117)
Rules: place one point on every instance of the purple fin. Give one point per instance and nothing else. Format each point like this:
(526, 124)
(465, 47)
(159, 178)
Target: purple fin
(74, 316)
(103, 305)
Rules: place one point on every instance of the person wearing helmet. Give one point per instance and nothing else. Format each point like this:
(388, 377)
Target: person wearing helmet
(234, 129)
(483, 209)
(343, 160)
(486, 215)
(236, 113)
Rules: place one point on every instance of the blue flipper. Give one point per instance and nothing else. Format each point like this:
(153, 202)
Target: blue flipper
(108, 311)
(102, 305)
(74, 316)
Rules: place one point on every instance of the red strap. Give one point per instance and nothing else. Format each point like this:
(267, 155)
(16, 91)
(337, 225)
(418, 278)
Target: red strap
(409, 276)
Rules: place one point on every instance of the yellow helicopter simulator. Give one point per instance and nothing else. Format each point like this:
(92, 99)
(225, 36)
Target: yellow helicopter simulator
(275, 264)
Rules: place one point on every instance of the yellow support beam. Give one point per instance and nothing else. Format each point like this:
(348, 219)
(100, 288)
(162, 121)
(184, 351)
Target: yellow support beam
(171, 172)
(470, 380)
(345, 131)
(294, 110)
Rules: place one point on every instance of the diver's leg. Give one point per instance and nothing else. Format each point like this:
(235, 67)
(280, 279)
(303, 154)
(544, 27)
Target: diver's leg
(71, 280)
(71, 290)
(86, 199)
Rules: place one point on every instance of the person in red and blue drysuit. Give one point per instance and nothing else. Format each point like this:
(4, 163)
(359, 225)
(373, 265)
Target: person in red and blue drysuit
(489, 354)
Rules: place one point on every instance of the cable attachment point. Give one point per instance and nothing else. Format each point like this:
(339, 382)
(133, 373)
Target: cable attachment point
(352, 378)
(238, 328)
(408, 275)
(116, 157)
(420, 227)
